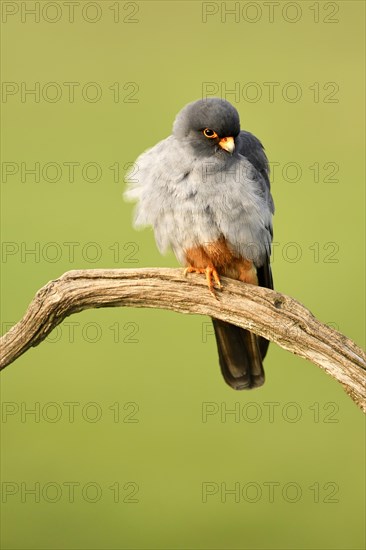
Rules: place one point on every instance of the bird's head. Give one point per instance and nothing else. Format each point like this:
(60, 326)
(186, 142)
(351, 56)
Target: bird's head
(209, 125)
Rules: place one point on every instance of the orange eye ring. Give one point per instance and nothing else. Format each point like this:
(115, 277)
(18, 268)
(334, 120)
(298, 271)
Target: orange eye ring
(210, 134)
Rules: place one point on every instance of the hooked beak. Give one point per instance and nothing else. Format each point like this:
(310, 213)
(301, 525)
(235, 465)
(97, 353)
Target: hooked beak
(228, 144)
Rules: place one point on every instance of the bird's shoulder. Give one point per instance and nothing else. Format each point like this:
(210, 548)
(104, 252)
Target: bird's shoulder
(250, 147)
(166, 160)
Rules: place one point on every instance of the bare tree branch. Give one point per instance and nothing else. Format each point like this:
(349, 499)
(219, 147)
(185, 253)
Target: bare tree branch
(265, 312)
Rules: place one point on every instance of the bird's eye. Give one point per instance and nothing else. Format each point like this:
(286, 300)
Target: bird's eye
(209, 133)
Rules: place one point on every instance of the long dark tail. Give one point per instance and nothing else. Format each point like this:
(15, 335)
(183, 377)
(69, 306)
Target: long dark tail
(241, 352)
(239, 355)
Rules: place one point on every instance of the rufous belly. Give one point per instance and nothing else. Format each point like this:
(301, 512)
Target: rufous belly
(219, 256)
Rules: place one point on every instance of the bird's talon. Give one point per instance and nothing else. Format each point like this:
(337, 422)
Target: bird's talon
(212, 277)
(212, 292)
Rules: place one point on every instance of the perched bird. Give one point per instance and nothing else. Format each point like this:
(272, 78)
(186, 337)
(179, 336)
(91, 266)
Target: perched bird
(205, 191)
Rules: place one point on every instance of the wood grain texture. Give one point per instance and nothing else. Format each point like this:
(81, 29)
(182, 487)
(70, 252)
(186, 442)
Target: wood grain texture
(275, 316)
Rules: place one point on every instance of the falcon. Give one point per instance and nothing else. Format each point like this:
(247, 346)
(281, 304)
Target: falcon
(205, 190)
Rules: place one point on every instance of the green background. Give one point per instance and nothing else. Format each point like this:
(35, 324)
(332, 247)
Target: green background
(159, 368)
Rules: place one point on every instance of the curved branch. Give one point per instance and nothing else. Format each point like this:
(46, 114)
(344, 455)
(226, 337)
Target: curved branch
(265, 312)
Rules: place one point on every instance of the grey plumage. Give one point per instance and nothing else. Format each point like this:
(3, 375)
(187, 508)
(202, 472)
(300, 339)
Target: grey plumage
(193, 192)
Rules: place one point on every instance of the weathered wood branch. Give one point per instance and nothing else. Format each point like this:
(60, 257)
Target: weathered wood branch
(265, 312)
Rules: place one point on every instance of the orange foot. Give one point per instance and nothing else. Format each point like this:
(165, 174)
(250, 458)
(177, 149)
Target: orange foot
(212, 277)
